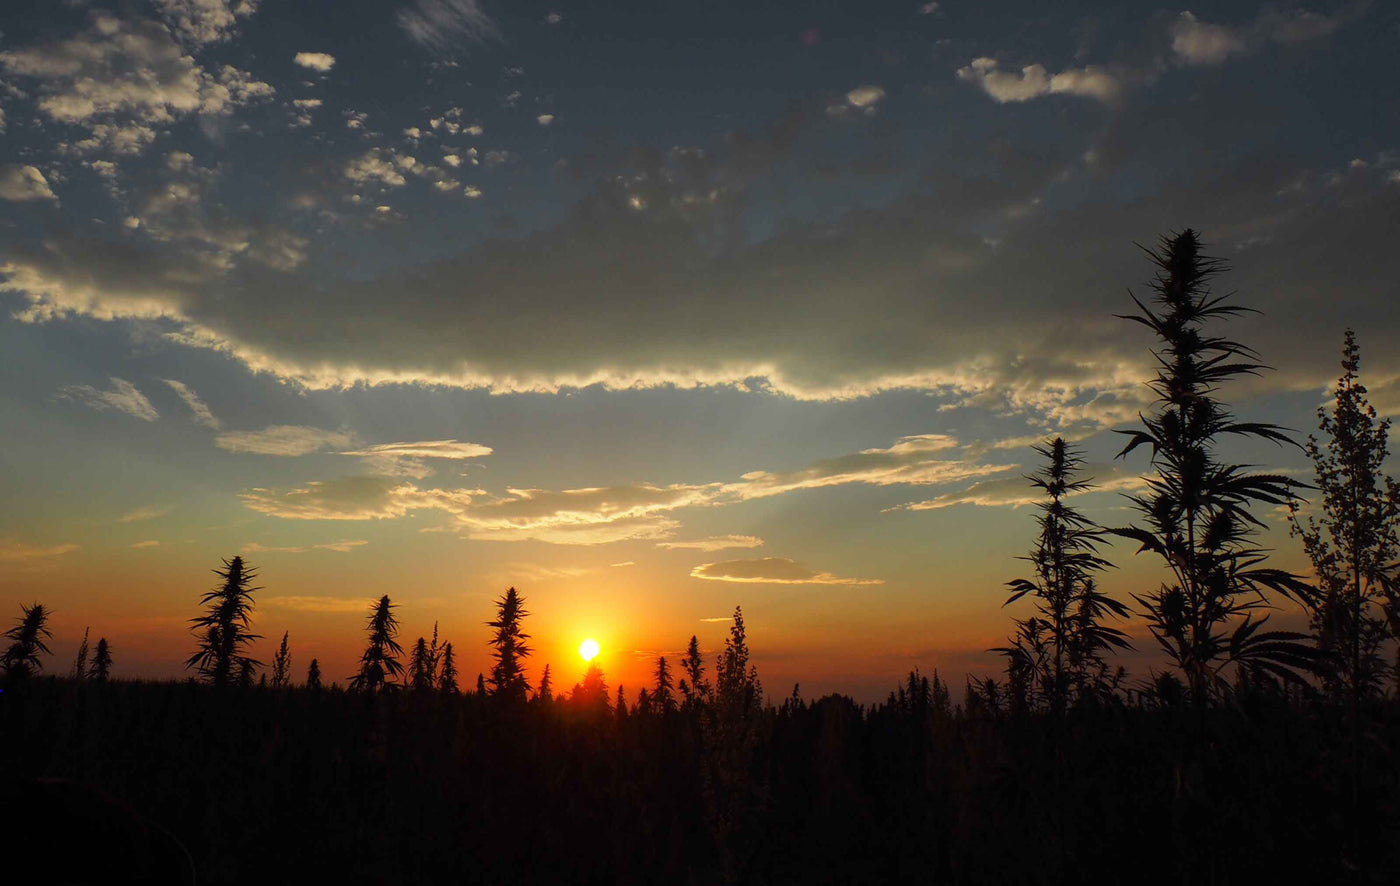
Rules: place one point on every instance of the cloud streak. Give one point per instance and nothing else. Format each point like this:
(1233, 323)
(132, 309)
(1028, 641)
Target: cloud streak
(123, 397)
(773, 570)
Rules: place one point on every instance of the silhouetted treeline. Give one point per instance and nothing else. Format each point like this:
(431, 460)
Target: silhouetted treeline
(293, 785)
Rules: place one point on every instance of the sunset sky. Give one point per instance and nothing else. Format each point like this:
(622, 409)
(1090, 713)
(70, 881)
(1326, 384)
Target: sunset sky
(648, 309)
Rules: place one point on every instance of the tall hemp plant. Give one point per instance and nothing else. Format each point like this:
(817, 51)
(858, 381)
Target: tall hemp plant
(1059, 651)
(1354, 541)
(1195, 513)
(224, 630)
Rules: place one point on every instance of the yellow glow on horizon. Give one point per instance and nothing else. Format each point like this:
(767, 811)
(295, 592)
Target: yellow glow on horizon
(588, 649)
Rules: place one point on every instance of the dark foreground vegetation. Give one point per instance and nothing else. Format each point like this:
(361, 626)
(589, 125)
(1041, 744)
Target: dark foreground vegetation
(300, 786)
(1261, 756)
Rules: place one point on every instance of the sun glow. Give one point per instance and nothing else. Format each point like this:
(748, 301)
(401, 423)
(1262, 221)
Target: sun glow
(588, 649)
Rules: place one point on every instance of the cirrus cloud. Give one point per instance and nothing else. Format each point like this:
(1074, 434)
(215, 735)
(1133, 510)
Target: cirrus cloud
(773, 570)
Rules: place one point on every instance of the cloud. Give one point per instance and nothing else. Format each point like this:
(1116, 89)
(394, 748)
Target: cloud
(343, 547)
(149, 543)
(123, 397)
(409, 459)
(713, 543)
(380, 166)
(287, 440)
(441, 25)
(18, 551)
(149, 512)
(316, 61)
(23, 183)
(1017, 491)
(354, 498)
(596, 515)
(1034, 81)
(202, 415)
(205, 21)
(865, 96)
(1196, 42)
(772, 570)
(1199, 43)
(317, 604)
(911, 460)
(125, 80)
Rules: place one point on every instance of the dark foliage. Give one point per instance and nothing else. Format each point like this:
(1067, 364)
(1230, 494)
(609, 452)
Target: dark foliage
(21, 658)
(223, 630)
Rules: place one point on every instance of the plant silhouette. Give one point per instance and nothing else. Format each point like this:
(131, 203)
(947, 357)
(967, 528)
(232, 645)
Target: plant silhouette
(27, 638)
(1196, 513)
(223, 630)
(509, 648)
(379, 665)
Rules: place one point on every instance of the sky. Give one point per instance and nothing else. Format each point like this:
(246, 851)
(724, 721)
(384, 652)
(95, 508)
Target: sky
(647, 309)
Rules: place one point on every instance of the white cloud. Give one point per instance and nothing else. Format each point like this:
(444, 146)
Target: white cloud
(409, 459)
(451, 449)
(452, 160)
(197, 406)
(205, 21)
(18, 551)
(23, 183)
(148, 543)
(1017, 491)
(307, 104)
(379, 166)
(912, 460)
(123, 397)
(355, 498)
(124, 80)
(713, 543)
(440, 25)
(1034, 81)
(595, 515)
(1199, 43)
(315, 61)
(772, 570)
(865, 96)
(544, 119)
(286, 440)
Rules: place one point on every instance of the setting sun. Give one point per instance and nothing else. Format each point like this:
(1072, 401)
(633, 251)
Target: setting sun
(588, 649)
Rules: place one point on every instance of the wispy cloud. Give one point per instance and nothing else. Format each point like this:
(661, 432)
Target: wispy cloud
(123, 397)
(196, 405)
(147, 512)
(286, 440)
(355, 498)
(772, 570)
(442, 25)
(18, 551)
(149, 543)
(713, 543)
(1017, 491)
(344, 547)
